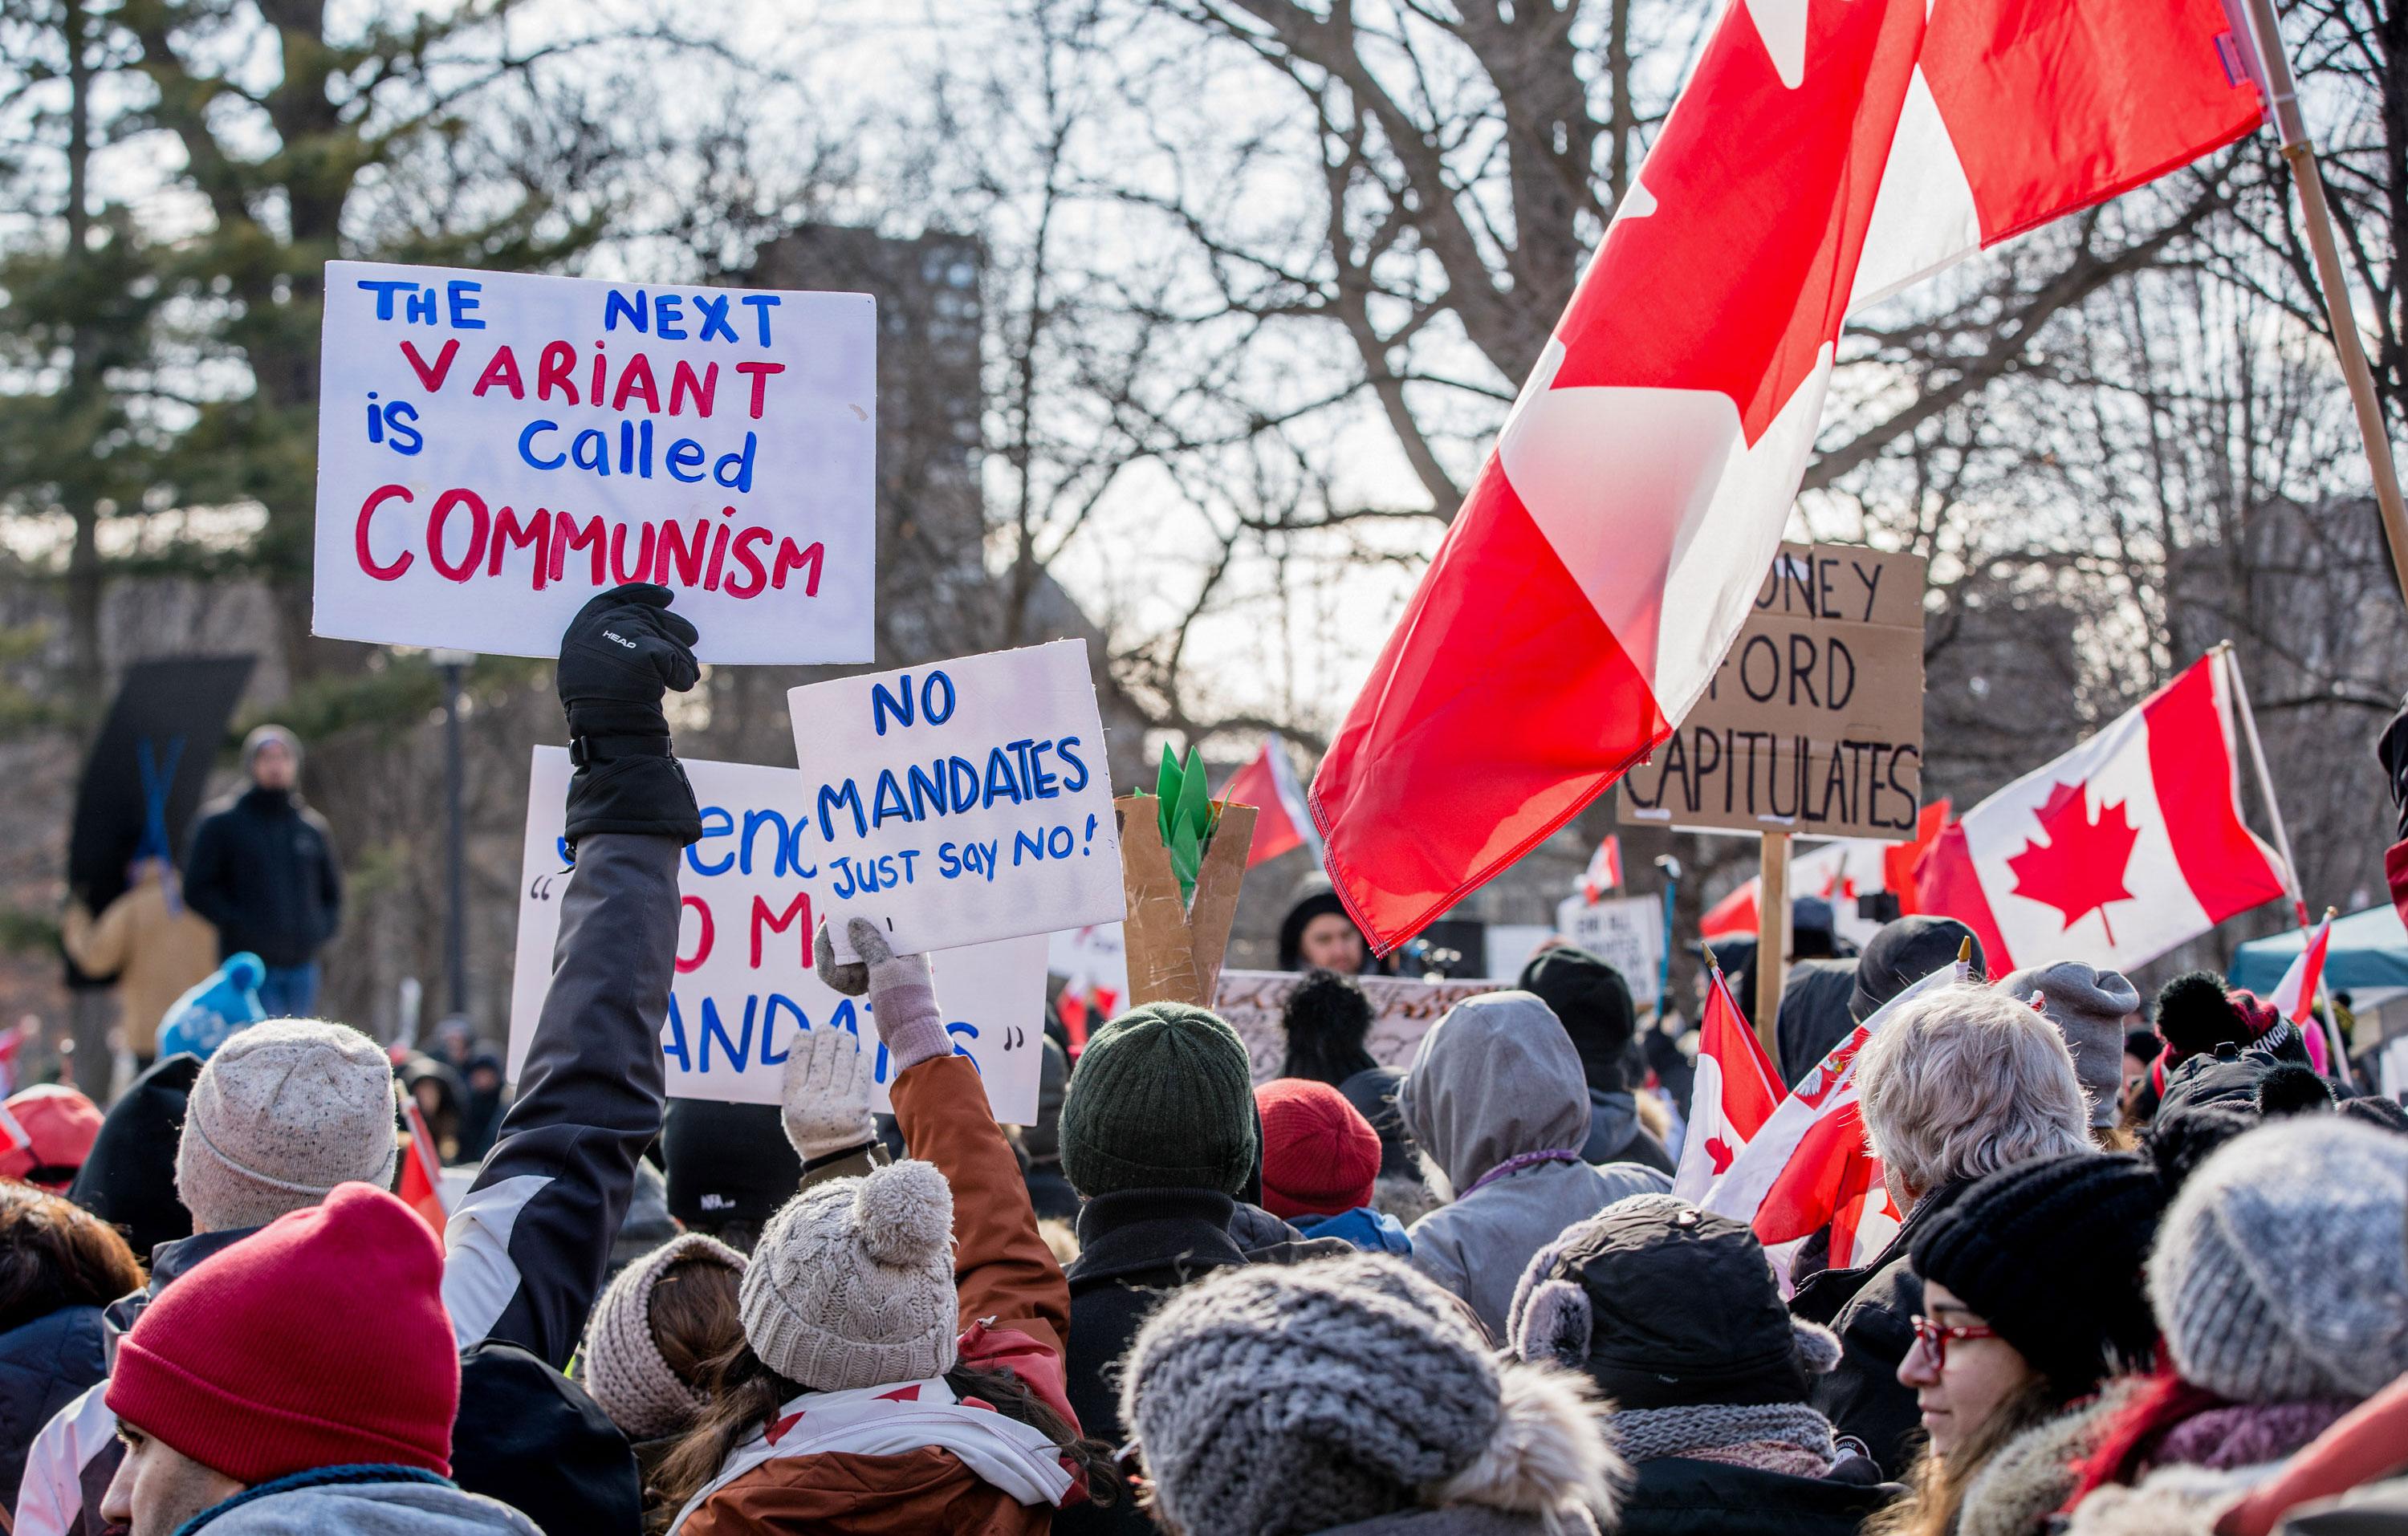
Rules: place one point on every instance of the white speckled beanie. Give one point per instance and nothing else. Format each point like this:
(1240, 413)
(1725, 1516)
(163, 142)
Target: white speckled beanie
(852, 1284)
(283, 1113)
(620, 1362)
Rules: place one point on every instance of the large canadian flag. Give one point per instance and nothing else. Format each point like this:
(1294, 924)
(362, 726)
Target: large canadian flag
(2123, 848)
(1825, 155)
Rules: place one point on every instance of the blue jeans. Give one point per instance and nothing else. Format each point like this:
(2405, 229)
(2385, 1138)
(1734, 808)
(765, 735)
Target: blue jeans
(290, 992)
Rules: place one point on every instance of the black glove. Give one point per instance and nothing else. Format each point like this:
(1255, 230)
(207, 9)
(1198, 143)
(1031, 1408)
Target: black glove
(618, 657)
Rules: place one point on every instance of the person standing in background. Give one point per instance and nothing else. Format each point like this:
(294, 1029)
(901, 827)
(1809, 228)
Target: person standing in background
(150, 939)
(263, 870)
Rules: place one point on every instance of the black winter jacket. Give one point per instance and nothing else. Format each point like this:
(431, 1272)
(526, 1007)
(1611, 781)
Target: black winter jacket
(1677, 1496)
(1872, 1309)
(263, 870)
(44, 1364)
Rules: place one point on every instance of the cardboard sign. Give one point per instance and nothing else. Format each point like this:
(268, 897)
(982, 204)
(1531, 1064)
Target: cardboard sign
(1174, 950)
(1402, 1011)
(1626, 932)
(745, 986)
(960, 802)
(1814, 724)
(493, 449)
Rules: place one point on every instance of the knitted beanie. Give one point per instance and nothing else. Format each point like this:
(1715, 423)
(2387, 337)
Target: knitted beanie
(1162, 1099)
(1592, 1001)
(1272, 1399)
(852, 1284)
(2088, 1007)
(214, 1008)
(2281, 1270)
(2049, 1253)
(1319, 1156)
(320, 1340)
(620, 1362)
(283, 1112)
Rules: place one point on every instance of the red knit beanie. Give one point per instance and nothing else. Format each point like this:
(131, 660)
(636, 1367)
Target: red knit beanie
(1320, 1156)
(320, 1340)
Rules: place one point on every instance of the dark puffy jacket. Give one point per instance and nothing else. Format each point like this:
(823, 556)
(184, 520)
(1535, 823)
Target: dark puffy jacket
(263, 870)
(1814, 1014)
(44, 1364)
(1677, 1496)
(1872, 1309)
(128, 1179)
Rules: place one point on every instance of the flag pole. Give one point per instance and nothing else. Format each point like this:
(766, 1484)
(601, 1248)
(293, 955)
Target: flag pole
(1771, 934)
(2231, 664)
(2316, 214)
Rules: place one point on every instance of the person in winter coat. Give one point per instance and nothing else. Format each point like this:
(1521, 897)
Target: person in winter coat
(1675, 1313)
(59, 1266)
(128, 1178)
(1592, 1001)
(729, 1168)
(1373, 1094)
(2280, 1280)
(1321, 1161)
(2352, 1475)
(2195, 1015)
(867, 1327)
(285, 1114)
(1817, 1012)
(1159, 1136)
(301, 1378)
(1904, 951)
(1957, 1083)
(261, 869)
(1327, 1022)
(60, 1126)
(1319, 934)
(1497, 1099)
(1352, 1395)
(151, 941)
(656, 1332)
(2033, 1301)
(2088, 1007)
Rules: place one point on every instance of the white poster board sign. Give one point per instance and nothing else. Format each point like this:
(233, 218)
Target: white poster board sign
(1626, 932)
(745, 986)
(496, 448)
(963, 801)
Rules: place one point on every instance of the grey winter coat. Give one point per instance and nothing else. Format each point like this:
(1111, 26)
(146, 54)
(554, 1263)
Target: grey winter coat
(304, 1505)
(1494, 1080)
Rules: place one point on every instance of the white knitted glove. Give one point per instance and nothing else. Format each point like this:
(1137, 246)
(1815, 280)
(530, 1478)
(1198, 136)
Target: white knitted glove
(900, 993)
(824, 1097)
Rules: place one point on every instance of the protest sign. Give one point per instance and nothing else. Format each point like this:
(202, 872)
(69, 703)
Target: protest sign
(1174, 947)
(960, 802)
(1402, 1010)
(1813, 723)
(745, 985)
(1627, 933)
(496, 448)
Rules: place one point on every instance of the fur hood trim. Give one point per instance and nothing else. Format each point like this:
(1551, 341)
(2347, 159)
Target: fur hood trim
(1549, 1455)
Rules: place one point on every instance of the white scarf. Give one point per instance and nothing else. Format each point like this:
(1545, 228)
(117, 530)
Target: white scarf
(1005, 1454)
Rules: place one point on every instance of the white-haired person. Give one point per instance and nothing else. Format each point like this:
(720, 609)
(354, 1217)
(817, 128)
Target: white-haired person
(1957, 1083)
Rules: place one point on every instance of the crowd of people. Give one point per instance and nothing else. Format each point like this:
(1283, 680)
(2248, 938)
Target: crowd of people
(1452, 1299)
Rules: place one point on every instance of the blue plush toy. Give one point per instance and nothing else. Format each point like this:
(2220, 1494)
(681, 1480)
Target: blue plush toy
(205, 1016)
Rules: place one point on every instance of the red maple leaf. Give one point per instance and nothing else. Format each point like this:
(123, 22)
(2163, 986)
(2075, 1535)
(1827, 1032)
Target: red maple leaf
(2079, 868)
(1719, 1151)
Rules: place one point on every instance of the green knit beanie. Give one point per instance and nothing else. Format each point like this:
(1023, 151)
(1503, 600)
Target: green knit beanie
(1163, 1099)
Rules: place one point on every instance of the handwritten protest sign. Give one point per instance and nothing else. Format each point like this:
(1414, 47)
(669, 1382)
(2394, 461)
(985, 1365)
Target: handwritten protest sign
(1402, 1010)
(1814, 724)
(495, 447)
(961, 802)
(1627, 933)
(745, 987)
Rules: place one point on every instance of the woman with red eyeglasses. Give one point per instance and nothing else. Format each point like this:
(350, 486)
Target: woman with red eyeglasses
(2032, 1299)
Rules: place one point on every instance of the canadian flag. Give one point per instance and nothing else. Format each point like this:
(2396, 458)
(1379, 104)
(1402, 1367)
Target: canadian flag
(2295, 995)
(2123, 848)
(1604, 871)
(1809, 1167)
(1734, 1095)
(1825, 155)
(1839, 872)
(422, 1174)
(1282, 820)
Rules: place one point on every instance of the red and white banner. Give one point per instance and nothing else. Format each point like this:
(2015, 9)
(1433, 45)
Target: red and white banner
(1282, 819)
(1809, 1166)
(422, 1174)
(2125, 847)
(1735, 1093)
(2295, 995)
(1825, 155)
(1604, 871)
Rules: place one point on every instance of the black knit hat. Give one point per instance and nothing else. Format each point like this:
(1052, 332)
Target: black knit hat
(729, 1166)
(2050, 1253)
(1666, 1306)
(1593, 1003)
(1163, 1097)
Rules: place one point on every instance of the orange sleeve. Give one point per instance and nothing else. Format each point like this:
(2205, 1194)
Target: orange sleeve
(1004, 1270)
